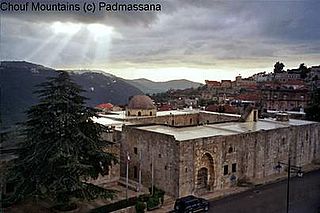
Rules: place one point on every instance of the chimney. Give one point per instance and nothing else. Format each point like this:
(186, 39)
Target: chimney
(282, 117)
(250, 115)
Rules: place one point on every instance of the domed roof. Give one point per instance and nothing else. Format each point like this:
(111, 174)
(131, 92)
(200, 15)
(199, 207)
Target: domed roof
(141, 102)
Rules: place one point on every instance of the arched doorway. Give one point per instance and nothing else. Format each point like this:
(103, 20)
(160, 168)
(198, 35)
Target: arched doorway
(205, 174)
(202, 178)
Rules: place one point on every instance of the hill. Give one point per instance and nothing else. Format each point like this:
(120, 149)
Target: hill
(151, 87)
(18, 81)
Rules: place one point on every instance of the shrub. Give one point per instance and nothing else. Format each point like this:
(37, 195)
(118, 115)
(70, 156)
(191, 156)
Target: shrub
(152, 202)
(144, 197)
(140, 207)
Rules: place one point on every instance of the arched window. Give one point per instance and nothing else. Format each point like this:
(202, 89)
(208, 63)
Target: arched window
(230, 149)
(128, 113)
(139, 113)
(150, 113)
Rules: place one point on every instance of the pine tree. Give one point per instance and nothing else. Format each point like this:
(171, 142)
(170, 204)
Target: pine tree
(62, 148)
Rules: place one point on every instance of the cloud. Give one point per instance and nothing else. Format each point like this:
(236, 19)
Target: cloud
(185, 33)
(103, 17)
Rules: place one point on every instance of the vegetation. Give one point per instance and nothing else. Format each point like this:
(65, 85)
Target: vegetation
(156, 198)
(153, 202)
(62, 148)
(140, 207)
(313, 111)
(278, 67)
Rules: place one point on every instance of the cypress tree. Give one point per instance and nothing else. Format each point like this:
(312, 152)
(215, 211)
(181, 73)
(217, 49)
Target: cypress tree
(62, 147)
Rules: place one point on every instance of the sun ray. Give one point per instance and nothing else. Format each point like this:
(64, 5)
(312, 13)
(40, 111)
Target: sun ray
(41, 47)
(56, 51)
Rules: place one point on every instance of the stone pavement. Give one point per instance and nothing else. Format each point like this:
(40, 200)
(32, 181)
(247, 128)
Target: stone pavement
(169, 201)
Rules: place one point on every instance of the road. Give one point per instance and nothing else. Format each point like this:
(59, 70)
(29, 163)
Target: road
(304, 198)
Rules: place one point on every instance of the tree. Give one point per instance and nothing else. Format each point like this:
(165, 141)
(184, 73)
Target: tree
(303, 71)
(278, 67)
(62, 147)
(313, 110)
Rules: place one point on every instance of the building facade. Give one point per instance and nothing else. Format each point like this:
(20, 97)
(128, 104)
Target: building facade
(193, 160)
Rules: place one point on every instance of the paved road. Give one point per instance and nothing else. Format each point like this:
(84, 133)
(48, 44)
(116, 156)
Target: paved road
(304, 198)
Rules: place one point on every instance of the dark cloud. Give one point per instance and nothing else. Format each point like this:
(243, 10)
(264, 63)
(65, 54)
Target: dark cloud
(103, 17)
(188, 32)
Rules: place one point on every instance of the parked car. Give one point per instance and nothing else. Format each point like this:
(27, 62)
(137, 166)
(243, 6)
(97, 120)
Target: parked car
(191, 204)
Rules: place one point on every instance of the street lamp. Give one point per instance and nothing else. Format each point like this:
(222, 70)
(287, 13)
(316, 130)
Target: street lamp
(291, 168)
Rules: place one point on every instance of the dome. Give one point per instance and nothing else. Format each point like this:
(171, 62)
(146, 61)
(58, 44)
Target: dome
(141, 102)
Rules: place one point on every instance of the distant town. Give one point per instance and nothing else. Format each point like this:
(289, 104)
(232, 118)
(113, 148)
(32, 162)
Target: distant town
(280, 90)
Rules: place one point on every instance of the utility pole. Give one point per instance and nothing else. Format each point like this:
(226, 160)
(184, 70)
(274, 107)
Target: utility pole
(288, 184)
(140, 161)
(127, 175)
(152, 174)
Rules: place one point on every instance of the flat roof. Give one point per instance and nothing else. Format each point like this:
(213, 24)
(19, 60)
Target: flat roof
(121, 115)
(110, 122)
(228, 128)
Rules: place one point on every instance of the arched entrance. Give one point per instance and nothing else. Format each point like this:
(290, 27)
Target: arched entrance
(202, 178)
(205, 174)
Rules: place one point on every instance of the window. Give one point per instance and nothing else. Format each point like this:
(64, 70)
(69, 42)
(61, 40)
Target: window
(186, 170)
(165, 167)
(230, 149)
(172, 122)
(135, 172)
(225, 170)
(139, 113)
(190, 120)
(150, 113)
(128, 113)
(160, 156)
(234, 167)
(135, 150)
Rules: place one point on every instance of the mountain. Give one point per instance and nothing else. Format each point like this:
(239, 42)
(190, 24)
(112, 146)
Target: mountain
(151, 87)
(18, 81)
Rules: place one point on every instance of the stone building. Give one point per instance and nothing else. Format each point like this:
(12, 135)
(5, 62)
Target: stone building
(192, 151)
(197, 159)
(284, 99)
(141, 105)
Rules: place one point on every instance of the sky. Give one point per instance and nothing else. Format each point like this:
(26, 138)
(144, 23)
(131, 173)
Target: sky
(187, 39)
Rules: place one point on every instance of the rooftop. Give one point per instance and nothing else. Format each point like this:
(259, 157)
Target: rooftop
(121, 115)
(229, 128)
(141, 102)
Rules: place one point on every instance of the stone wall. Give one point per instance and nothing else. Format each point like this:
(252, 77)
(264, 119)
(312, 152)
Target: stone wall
(170, 120)
(113, 176)
(212, 117)
(178, 165)
(158, 149)
(141, 112)
(188, 119)
(254, 154)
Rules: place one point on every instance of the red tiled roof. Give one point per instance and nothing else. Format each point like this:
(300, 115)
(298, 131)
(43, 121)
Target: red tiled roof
(212, 83)
(104, 106)
(212, 108)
